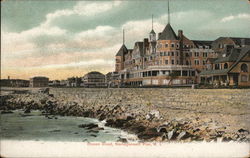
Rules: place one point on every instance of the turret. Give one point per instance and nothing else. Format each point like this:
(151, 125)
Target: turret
(152, 34)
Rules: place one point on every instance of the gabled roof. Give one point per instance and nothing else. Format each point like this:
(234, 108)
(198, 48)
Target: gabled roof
(168, 33)
(238, 41)
(140, 45)
(231, 57)
(122, 51)
(202, 43)
(152, 32)
(244, 51)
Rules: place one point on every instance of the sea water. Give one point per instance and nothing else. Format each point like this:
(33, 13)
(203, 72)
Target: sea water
(35, 126)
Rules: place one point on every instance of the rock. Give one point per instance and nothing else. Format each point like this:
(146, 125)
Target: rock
(57, 130)
(88, 126)
(243, 131)
(149, 135)
(181, 135)
(123, 140)
(170, 134)
(6, 112)
(27, 110)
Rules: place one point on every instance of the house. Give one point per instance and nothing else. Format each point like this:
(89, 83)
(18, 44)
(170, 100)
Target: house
(94, 79)
(39, 81)
(14, 83)
(73, 82)
(232, 68)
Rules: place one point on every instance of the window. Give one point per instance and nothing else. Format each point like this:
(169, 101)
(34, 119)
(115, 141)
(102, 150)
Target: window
(166, 45)
(155, 82)
(165, 53)
(187, 55)
(205, 54)
(161, 53)
(172, 45)
(172, 61)
(177, 61)
(159, 45)
(196, 62)
(177, 54)
(196, 54)
(172, 53)
(187, 63)
(244, 68)
(204, 62)
(217, 66)
(166, 62)
(243, 78)
(165, 81)
(177, 45)
(168, 53)
(225, 66)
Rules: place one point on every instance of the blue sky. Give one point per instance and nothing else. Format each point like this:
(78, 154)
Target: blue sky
(60, 39)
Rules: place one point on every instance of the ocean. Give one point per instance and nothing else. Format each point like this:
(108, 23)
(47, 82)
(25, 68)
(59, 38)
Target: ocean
(36, 127)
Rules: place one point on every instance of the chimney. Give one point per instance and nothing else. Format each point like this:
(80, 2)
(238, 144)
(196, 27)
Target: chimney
(180, 34)
(8, 77)
(243, 42)
(159, 34)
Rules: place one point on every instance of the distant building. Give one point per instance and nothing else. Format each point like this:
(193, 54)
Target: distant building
(112, 79)
(39, 81)
(74, 82)
(14, 83)
(54, 83)
(94, 79)
(63, 83)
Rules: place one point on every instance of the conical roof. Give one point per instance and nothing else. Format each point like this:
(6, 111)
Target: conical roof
(168, 33)
(122, 50)
(152, 32)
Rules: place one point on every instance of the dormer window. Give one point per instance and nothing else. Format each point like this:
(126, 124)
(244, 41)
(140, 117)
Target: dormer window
(172, 45)
(177, 45)
(225, 66)
(166, 45)
(244, 68)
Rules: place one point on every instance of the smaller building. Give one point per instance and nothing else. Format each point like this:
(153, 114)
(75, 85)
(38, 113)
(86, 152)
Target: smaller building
(39, 81)
(14, 83)
(73, 82)
(94, 79)
(232, 68)
(54, 83)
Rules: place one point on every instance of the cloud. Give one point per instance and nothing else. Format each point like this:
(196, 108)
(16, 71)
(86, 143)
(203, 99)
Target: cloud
(83, 9)
(234, 17)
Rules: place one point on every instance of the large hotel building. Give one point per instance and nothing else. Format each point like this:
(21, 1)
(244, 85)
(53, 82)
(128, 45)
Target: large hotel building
(173, 59)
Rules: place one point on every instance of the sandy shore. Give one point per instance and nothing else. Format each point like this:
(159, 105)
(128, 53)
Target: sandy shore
(157, 114)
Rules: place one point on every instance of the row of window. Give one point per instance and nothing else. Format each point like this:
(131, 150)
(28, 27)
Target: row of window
(172, 45)
(169, 53)
(196, 54)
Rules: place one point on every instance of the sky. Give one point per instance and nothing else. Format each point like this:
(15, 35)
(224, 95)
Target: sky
(61, 39)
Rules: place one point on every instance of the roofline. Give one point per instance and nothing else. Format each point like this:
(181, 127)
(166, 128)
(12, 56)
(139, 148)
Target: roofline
(238, 61)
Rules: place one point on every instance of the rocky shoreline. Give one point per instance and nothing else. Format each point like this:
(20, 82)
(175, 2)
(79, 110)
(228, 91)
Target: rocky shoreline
(144, 121)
